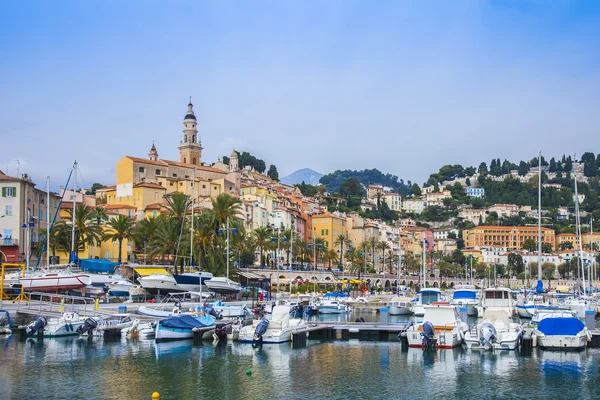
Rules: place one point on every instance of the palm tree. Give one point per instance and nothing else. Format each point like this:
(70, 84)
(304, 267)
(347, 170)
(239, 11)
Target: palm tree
(384, 246)
(86, 232)
(99, 214)
(391, 257)
(341, 240)
(225, 206)
(178, 205)
(165, 241)
(145, 230)
(121, 228)
(262, 239)
(330, 255)
(373, 242)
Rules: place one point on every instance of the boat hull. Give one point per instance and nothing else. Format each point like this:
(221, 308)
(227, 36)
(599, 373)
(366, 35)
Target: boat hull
(160, 285)
(223, 287)
(163, 333)
(525, 311)
(563, 342)
(55, 282)
(443, 339)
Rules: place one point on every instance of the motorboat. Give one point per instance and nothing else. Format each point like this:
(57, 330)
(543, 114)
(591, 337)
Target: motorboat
(160, 284)
(425, 297)
(139, 329)
(332, 307)
(309, 304)
(496, 332)
(181, 327)
(527, 306)
(230, 310)
(90, 291)
(55, 281)
(116, 321)
(441, 328)
(400, 306)
(68, 324)
(542, 312)
(222, 285)
(495, 299)
(579, 305)
(278, 329)
(561, 333)
(174, 304)
(465, 296)
(120, 287)
(193, 281)
(101, 280)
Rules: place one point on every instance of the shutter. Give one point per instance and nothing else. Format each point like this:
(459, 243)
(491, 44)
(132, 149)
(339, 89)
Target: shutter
(14, 191)
(3, 192)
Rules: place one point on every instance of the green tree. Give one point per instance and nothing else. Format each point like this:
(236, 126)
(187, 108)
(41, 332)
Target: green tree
(119, 229)
(351, 187)
(415, 190)
(565, 246)
(482, 170)
(92, 190)
(530, 245)
(87, 232)
(383, 247)
(272, 173)
(262, 239)
(523, 168)
(515, 263)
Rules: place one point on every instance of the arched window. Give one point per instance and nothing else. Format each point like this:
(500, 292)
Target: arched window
(194, 160)
(184, 160)
(193, 138)
(185, 138)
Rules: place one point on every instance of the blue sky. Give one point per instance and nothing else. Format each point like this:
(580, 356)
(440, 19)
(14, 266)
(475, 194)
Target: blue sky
(402, 86)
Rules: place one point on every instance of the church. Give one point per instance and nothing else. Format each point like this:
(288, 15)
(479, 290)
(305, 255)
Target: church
(142, 183)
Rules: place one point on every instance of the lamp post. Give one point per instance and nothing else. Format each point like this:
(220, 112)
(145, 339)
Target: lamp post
(228, 229)
(314, 246)
(28, 227)
(278, 238)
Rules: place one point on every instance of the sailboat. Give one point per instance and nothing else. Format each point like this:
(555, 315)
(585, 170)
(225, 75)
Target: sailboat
(53, 281)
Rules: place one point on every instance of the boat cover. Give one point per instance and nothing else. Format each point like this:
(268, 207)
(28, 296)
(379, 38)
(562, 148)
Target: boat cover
(560, 326)
(464, 294)
(187, 322)
(98, 266)
(335, 295)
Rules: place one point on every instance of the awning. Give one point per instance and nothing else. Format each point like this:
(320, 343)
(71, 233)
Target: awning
(252, 276)
(562, 289)
(151, 271)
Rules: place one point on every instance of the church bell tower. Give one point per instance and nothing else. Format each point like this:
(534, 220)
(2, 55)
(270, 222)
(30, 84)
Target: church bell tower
(190, 148)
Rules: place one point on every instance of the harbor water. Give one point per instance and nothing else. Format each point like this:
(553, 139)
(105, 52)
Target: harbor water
(92, 368)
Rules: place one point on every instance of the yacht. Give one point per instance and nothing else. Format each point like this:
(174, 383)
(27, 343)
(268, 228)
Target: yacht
(223, 285)
(561, 333)
(441, 328)
(120, 287)
(276, 330)
(426, 297)
(192, 281)
(181, 327)
(497, 299)
(55, 281)
(400, 306)
(160, 284)
(496, 332)
(332, 307)
(465, 296)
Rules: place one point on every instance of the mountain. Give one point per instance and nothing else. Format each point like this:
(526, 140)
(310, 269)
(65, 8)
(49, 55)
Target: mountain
(305, 174)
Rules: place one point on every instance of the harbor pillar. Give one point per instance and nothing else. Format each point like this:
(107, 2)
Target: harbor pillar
(462, 312)
(383, 315)
(590, 321)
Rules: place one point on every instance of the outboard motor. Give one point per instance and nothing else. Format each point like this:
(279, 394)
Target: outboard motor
(428, 335)
(88, 327)
(487, 334)
(221, 333)
(212, 312)
(36, 326)
(360, 319)
(261, 328)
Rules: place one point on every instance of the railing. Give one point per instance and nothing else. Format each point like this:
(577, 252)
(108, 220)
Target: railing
(9, 242)
(57, 303)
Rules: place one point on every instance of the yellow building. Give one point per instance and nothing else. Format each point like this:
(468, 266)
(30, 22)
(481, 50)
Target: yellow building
(593, 238)
(511, 237)
(566, 237)
(328, 227)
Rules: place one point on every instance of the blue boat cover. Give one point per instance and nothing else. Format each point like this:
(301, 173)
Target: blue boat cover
(464, 294)
(560, 326)
(98, 266)
(187, 322)
(540, 287)
(335, 295)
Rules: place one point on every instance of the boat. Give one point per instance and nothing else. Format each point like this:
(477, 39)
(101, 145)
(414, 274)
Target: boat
(102, 280)
(140, 329)
(540, 314)
(496, 332)
(441, 328)
(495, 299)
(90, 291)
(68, 324)
(465, 296)
(223, 285)
(120, 287)
(181, 327)
(230, 310)
(157, 284)
(192, 281)
(309, 304)
(332, 307)
(561, 333)
(276, 330)
(425, 297)
(400, 306)
(55, 281)
(116, 321)
(174, 304)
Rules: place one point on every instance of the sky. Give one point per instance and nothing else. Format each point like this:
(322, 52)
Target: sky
(402, 86)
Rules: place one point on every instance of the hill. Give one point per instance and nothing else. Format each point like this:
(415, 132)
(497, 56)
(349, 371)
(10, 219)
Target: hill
(305, 175)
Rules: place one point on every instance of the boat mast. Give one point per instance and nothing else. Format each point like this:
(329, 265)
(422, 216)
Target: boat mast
(74, 207)
(228, 248)
(578, 237)
(540, 284)
(423, 263)
(48, 222)
(192, 223)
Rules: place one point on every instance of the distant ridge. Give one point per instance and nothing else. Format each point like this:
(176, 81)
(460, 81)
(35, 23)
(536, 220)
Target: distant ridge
(305, 175)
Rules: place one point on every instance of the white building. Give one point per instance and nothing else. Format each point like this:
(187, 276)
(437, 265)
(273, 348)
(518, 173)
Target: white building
(444, 233)
(478, 193)
(413, 205)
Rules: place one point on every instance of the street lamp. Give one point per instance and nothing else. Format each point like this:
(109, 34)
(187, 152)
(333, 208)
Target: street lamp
(314, 246)
(227, 230)
(28, 227)
(279, 239)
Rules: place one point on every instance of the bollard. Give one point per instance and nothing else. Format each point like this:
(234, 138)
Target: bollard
(62, 304)
(122, 309)
(97, 305)
(383, 315)
(155, 396)
(463, 314)
(590, 321)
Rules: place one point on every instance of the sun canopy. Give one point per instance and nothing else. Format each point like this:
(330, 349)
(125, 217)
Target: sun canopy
(335, 295)
(186, 322)
(151, 271)
(560, 326)
(98, 266)
(464, 294)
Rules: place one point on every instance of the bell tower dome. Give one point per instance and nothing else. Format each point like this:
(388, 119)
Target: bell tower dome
(190, 148)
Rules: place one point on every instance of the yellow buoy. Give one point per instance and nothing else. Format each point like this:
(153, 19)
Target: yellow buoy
(155, 395)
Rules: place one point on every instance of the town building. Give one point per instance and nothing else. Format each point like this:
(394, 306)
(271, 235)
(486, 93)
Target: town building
(563, 238)
(474, 215)
(393, 201)
(510, 237)
(477, 193)
(328, 227)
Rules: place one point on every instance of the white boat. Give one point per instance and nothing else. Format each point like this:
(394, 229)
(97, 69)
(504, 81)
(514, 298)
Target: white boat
(55, 281)
(400, 306)
(465, 296)
(276, 330)
(90, 291)
(193, 281)
(231, 310)
(160, 284)
(120, 287)
(69, 324)
(425, 297)
(441, 328)
(181, 327)
(540, 314)
(332, 307)
(102, 280)
(141, 329)
(223, 285)
(495, 299)
(116, 321)
(497, 332)
(174, 304)
(556, 333)
(579, 305)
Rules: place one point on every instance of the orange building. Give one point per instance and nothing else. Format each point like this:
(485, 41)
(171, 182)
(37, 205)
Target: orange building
(511, 237)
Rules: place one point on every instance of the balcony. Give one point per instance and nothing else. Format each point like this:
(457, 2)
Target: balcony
(9, 242)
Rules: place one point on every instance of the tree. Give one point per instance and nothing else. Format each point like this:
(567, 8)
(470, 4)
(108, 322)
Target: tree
(86, 231)
(469, 171)
(92, 190)
(529, 245)
(178, 204)
(523, 168)
(307, 190)
(548, 270)
(383, 247)
(468, 182)
(273, 174)
(351, 187)
(546, 247)
(262, 239)
(482, 170)
(568, 165)
(565, 246)
(515, 263)
(120, 228)
(552, 167)
(342, 240)
(415, 190)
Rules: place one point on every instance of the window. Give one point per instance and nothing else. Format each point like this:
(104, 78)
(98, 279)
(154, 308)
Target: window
(142, 169)
(203, 186)
(322, 232)
(8, 210)
(184, 160)
(157, 172)
(194, 160)
(154, 213)
(326, 231)
(9, 192)
(7, 235)
(174, 175)
(171, 184)
(187, 177)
